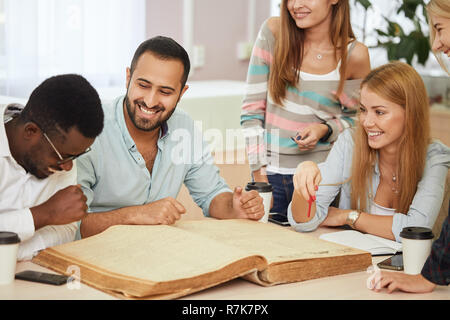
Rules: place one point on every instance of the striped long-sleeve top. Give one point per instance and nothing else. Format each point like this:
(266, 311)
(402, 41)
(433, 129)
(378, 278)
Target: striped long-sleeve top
(268, 127)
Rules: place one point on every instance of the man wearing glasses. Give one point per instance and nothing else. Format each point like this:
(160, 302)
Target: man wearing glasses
(39, 197)
(147, 151)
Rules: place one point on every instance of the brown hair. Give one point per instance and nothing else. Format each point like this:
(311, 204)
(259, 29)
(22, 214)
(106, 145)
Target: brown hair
(289, 47)
(400, 83)
(439, 8)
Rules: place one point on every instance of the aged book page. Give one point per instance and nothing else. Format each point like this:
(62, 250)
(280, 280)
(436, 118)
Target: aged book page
(275, 243)
(150, 260)
(292, 256)
(159, 262)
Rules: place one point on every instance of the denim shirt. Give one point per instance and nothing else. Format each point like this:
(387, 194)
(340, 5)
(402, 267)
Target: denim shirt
(426, 203)
(114, 174)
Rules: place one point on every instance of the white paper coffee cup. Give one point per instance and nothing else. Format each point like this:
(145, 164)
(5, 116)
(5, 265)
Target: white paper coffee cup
(416, 244)
(265, 191)
(9, 244)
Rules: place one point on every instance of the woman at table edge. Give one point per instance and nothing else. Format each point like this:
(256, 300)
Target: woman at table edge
(436, 270)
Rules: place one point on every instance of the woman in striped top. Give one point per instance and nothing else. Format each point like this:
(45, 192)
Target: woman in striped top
(301, 62)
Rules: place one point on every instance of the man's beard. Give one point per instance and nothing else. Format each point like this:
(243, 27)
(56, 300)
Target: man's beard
(145, 124)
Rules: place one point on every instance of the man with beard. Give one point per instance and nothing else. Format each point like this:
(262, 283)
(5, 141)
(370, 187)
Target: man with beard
(40, 200)
(147, 151)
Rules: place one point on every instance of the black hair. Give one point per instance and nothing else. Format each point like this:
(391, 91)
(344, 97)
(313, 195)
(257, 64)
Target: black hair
(164, 48)
(65, 101)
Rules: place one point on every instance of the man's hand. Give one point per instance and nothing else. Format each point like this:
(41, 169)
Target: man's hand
(163, 211)
(247, 205)
(65, 206)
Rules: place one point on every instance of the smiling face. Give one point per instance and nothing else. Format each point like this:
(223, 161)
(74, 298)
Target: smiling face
(153, 91)
(382, 120)
(310, 13)
(441, 41)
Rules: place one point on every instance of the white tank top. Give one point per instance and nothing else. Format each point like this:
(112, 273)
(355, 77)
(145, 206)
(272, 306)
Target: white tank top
(333, 75)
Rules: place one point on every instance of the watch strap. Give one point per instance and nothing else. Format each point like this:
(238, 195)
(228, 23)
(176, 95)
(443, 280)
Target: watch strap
(328, 134)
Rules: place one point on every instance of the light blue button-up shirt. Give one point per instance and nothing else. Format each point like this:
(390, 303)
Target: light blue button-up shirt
(114, 175)
(424, 208)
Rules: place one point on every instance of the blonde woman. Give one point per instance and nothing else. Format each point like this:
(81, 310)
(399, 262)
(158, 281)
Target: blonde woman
(388, 172)
(301, 63)
(439, 21)
(436, 270)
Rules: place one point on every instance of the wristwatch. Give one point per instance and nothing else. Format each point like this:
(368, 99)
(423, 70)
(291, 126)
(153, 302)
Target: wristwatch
(352, 217)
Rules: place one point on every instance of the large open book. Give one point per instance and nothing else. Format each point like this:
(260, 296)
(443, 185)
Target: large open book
(364, 241)
(161, 262)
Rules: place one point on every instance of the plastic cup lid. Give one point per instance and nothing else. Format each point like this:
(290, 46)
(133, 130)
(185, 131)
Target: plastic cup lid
(420, 233)
(259, 186)
(7, 237)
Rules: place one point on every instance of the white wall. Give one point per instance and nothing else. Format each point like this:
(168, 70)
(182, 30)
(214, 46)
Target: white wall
(218, 27)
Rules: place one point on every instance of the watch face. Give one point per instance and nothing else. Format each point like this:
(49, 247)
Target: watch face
(352, 217)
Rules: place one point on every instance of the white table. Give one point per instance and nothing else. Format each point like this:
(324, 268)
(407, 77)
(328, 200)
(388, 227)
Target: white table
(350, 286)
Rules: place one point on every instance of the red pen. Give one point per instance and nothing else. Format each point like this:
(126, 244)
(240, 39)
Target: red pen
(310, 201)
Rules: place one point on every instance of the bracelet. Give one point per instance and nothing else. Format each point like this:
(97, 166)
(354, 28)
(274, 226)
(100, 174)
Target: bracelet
(328, 134)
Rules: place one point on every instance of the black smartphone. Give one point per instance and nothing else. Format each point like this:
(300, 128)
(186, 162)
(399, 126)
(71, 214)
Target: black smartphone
(42, 277)
(392, 263)
(279, 219)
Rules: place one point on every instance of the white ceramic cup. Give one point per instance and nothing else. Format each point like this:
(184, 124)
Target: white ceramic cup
(9, 244)
(265, 191)
(416, 244)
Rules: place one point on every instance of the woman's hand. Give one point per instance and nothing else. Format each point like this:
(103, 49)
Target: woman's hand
(335, 217)
(310, 136)
(306, 179)
(400, 281)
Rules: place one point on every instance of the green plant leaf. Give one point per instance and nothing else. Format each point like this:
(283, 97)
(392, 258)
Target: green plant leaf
(365, 3)
(406, 49)
(381, 33)
(417, 25)
(394, 29)
(405, 46)
(423, 50)
(408, 8)
(391, 51)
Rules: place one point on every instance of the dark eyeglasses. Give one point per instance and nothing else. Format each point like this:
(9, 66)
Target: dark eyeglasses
(61, 159)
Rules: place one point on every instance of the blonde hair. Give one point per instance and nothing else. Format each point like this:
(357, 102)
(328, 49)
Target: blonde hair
(401, 84)
(289, 48)
(439, 8)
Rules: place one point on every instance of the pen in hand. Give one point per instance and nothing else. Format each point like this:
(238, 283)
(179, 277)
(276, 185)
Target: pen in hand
(310, 201)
